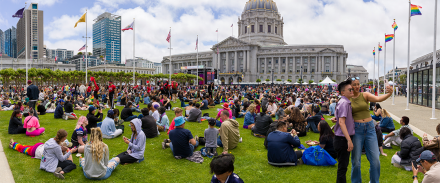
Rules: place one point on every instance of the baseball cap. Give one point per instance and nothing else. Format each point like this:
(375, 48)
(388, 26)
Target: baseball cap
(426, 155)
(29, 81)
(91, 108)
(110, 112)
(179, 121)
(61, 100)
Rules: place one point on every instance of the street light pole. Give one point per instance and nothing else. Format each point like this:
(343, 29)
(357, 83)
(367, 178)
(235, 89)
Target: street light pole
(272, 76)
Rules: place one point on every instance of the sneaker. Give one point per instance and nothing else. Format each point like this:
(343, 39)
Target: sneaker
(241, 139)
(58, 175)
(139, 161)
(58, 170)
(387, 147)
(65, 117)
(11, 143)
(197, 138)
(164, 145)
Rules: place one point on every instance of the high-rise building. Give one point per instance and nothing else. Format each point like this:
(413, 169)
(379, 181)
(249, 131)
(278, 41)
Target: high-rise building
(32, 21)
(10, 44)
(107, 37)
(2, 42)
(62, 55)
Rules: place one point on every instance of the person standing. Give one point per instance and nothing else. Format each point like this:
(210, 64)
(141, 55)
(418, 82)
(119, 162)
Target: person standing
(33, 95)
(111, 93)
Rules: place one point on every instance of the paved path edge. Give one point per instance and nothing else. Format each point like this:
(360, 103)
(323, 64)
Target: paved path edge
(5, 170)
(415, 129)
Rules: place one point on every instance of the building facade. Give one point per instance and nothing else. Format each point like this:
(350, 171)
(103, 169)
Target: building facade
(42, 63)
(62, 55)
(358, 71)
(145, 63)
(2, 42)
(107, 37)
(10, 44)
(420, 80)
(260, 52)
(119, 68)
(32, 21)
(80, 62)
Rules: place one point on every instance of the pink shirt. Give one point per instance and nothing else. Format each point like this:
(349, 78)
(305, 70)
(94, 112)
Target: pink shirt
(31, 121)
(230, 114)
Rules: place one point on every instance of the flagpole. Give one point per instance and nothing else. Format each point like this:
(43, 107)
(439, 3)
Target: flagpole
(197, 65)
(86, 47)
(232, 30)
(374, 69)
(170, 58)
(384, 67)
(134, 58)
(378, 72)
(434, 62)
(394, 62)
(26, 47)
(407, 69)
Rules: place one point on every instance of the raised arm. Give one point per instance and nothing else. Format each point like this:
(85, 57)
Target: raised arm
(372, 98)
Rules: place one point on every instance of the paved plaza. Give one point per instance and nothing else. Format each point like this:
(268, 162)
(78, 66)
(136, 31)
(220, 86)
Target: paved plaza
(419, 115)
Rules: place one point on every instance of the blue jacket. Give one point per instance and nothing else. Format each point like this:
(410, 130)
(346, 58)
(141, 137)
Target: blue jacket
(249, 119)
(146, 100)
(332, 108)
(387, 122)
(32, 92)
(58, 111)
(108, 126)
(279, 147)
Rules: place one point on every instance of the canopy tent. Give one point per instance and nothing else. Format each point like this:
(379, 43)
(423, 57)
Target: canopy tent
(327, 81)
(296, 83)
(313, 83)
(305, 83)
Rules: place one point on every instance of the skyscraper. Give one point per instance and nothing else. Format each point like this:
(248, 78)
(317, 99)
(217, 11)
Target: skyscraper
(62, 55)
(2, 42)
(34, 20)
(10, 45)
(107, 37)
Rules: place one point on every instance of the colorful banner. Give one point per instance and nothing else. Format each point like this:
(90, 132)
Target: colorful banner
(191, 67)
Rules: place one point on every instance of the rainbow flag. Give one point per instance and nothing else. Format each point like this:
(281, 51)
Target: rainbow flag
(415, 10)
(374, 52)
(394, 26)
(380, 48)
(389, 37)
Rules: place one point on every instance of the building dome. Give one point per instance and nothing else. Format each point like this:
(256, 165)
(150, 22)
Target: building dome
(256, 5)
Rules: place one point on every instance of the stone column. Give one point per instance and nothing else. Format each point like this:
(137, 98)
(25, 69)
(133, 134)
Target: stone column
(265, 65)
(293, 67)
(236, 67)
(228, 69)
(279, 65)
(309, 70)
(248, 65)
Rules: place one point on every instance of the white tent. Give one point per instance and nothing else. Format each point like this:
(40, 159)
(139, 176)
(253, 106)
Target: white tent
(327, 81)
(305, 83)
(296, 83)
(313, 83)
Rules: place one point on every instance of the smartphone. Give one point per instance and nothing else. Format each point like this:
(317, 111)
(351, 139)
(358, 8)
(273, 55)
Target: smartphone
(414, 163)
(386, 83)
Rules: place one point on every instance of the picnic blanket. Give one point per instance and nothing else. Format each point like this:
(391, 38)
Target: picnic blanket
(196, 157)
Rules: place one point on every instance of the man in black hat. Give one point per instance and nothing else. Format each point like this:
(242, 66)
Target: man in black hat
(427, 164)
(32, 93)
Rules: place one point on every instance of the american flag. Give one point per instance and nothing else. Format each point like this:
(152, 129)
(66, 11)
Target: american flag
(1, 53)
(82, 48)
(197, 43)
(232, 25)
(55, 58)
(169, 36)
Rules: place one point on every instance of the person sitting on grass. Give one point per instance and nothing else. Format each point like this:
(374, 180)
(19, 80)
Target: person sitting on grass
(41, 110)
(15, 124)
(394, 136)
(313, 121)
(177, 112)
(297, 121)
(272, 108)
(280, 146)
(136, 145)
(377, 112)
(428, 165)
(205, 104)
(93, 119)
(195, 114)
(79, 135)
(225, 108)
(51, 107)
(223, 169)
(262, 123)
(53, 160)
(59, 112)
(326, 137)
(149, 126)
(108, 127)
(68, 110)
(249, 117)
(188, 108)
(35, 151)
(386, 123)
(182, 142)
(229, 133)
(410, 150)
(32, 125)
(163, 123)
(211, 135)
(127, 113)
(434, 144)
(95, 163)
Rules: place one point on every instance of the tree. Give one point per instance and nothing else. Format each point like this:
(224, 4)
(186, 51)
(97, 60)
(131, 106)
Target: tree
(289, 80)
(402, 78)
(90, 54)
(333, 80)
(299, 80)
(310, 81)
(258, 80)
(278, 79)
(80, 53)
(267, 80)
(370, 83)
(320, 80)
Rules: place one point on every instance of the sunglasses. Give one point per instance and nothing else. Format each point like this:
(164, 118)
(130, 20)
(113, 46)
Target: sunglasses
(350, 90)
(355, 78)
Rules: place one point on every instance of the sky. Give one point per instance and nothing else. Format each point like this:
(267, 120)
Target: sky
(358, 25)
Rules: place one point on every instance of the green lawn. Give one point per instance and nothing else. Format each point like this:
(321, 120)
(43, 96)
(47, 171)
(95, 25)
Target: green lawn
(160, 166)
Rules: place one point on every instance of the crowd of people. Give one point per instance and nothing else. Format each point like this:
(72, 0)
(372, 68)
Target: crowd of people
(279, 114)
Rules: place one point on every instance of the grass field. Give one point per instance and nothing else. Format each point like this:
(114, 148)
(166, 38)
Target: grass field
(160, 165)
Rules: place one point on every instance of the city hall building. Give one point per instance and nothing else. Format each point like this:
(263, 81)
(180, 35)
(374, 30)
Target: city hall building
(260, 52)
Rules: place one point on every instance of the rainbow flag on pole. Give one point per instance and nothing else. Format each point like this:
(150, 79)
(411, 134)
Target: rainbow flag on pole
(415, 10)
(380, 48)
(389, 37)
(394, 26)
(374, 52)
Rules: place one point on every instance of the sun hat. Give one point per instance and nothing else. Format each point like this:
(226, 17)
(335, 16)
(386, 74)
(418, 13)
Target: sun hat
(225, 106)
(179, 121)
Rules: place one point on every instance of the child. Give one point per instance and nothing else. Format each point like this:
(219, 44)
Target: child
(211, 135)
(223, 168)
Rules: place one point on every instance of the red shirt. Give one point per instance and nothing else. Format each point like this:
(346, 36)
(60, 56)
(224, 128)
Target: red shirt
(89, 89)
(111, 88)
(172, 126)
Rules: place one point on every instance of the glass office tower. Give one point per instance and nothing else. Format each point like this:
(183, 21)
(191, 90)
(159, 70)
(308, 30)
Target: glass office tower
(107, 37)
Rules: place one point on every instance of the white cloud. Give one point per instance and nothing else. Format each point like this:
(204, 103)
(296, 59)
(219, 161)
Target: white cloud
(45, 2)
(356, 25)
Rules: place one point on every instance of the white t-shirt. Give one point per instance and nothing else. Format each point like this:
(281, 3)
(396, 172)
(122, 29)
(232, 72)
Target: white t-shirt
(156, 115)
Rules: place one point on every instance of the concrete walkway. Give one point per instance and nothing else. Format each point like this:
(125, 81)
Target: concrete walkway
(419, 116)
(5, 170)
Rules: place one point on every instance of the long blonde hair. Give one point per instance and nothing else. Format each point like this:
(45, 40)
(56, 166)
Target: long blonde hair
(251, 108)
(385, 113)
(97, 144)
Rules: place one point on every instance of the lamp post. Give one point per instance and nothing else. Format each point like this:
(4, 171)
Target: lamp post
(349, 70)
(272, 76)
(301, 82)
